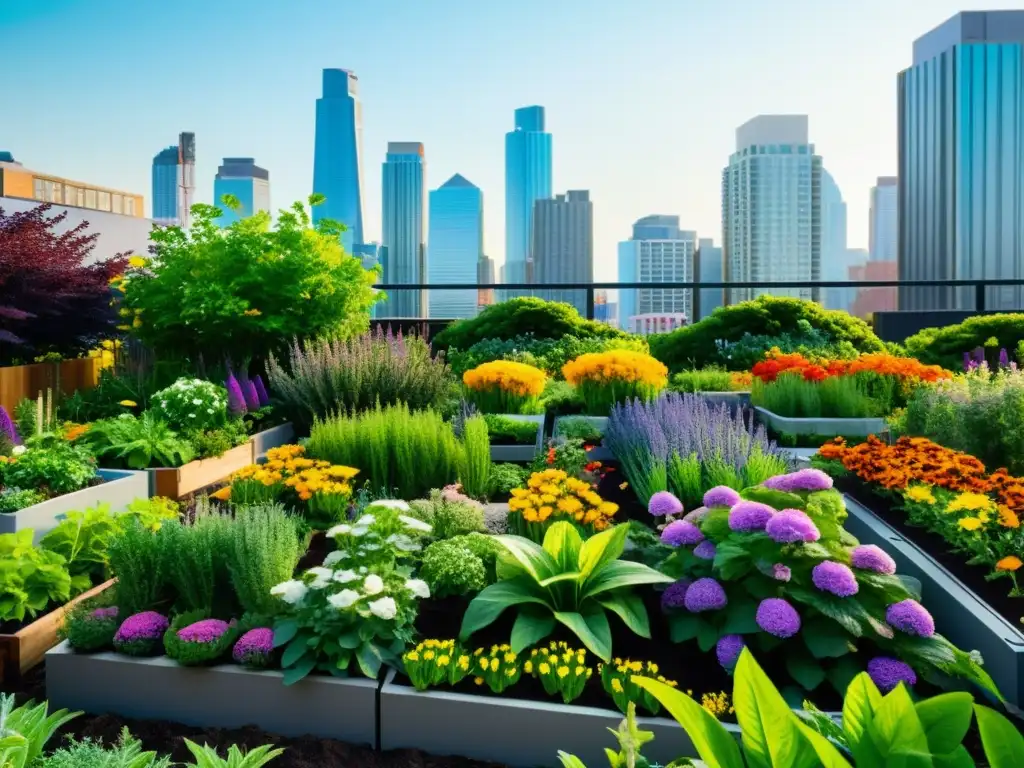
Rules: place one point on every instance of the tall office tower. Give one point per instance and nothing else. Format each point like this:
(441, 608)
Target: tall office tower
(659, 252)
(833, 242)
(456, 237)
(338, 154)
(242, 178)
(371, 256)
(527, 179)
(404, 193)
(174, 185)
(563, 245)
(884, 219)
(961, 161)
(485, 276)
(709, 270)
(771, 207)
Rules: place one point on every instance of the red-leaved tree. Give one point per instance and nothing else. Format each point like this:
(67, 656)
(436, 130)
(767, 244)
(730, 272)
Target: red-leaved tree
(51, 299)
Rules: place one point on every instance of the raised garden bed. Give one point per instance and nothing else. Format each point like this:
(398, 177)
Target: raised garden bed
(597, 452)
(821, 426)
(520, 452)
(733, 399)
(224, 696)
(283, 434)
(176, 482)
(118, 488)
(22, 650)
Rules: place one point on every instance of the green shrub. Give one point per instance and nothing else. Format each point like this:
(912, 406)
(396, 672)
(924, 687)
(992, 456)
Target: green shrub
(712, 379)
(89, 627)
(946, 346)
(505, 477)
(578, 428)
(450, 513)
(475, 459)
(127, 442)
(450, 568)
(195, 560)
(508, 431)
(135, 558)
(841, 397)
(127, 753)
(561, 398)
(263, 552)
(700, 344)
(548, 354)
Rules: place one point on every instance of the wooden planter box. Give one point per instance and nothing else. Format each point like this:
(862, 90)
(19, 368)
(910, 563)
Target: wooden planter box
(223, 696)
(174, 483)
(960, 615)
(119, 489)
(599, 453)
(28, 646)
(25, 382)
(800, 426)
(520, 452)
(274, 437)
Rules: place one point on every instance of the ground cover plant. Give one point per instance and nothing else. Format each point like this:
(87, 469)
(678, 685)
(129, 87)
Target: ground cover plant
(507, 431)
(43, 469)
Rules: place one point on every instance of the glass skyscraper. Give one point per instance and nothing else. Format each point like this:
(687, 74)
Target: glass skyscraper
(404, 260)
(456, 237)
(527, 179)
(833, 242)
(961, 161)
(659, 252)
(338, 154)
(883, 223)
(709, 270)
(174, 182)
(241, 177)
(563, 246)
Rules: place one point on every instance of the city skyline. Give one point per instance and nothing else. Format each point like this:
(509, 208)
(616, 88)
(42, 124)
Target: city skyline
(629, 157)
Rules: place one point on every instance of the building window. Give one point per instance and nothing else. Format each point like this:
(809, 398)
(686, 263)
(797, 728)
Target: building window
(72, 195)
(103, 201)
(90, 199)
(129, 206)
(116, 201)
(55, 190)
(38, 189)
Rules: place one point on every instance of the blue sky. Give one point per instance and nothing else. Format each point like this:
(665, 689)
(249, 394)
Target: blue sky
(643, 96)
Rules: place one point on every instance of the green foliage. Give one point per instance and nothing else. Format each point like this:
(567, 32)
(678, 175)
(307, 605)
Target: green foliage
(263, 550)
(710, 379)
(25, 730)
(243, 291)
(688, 477)
(450, 568)
(548, 354)
(568, 581)
(136, 558)
(561, 398)
(449, 513)
(31, 578)
(631, 740)
(505, 430)
(195, 562)
(81, 538)
(844, 397)
(505, 477)
(522, 316)
(195, 653)
(475, 458)
(701, 344)
(16, 499)
(562, 453)
(578, 428)
(137, 443)
(25, 417)
(946, 346)
(216, 442)
(53, 467)
(206, 756)
(88, 632)
(127, 753)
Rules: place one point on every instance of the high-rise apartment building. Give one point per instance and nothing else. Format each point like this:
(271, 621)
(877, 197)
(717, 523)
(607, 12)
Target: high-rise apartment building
(833, 242)
(456, 237)
(372, 256)
(771, 207)
(563, 246)
(709, 270)
(338, 154)
(485, 276)
(527, 180)
(404, 261)
(659, 252)
(244, 180)
(884, 220)
(174, 185)
(961, 161)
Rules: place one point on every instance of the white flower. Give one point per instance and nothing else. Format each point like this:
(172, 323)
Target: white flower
(339, 530)
(291, 591)
(18, 450)
(344, 577)
(416, 525)
(371, 547)
(344, 599)
(383, 608)
(418, 587)
(373, 584)
(398, 504)
(362, 569)
(321, 577)
(366, 520)
(403, 543)
(359, 530)
(209, 410)
(333, 557)
(191, 415)
(196, 401)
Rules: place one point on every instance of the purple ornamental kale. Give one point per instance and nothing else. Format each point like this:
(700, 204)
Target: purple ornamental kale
(7, 428)
(705, 595)
(148, 625)
(835, 578)
(255, 648)
(807, 479)
(252, 397)
(777, 617)
(910, 617)
(750, 516)
(887, 673)
(261, 390)
(674, 595)
(869, 557)
(728, 650)
(790, 526)
(705, 550)
(663, 504)
(721, 496)
(236, 400)
(681, 533)
(205, 631)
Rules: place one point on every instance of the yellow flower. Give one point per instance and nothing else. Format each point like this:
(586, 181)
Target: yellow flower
(128, 403)
(616, 685)
(443, 661)
(509, 657)
(224, 494)
(412, 656)
(563, 671)
(428, 655)
(970, 502)
(970, 523)
(544, 668)
(138, 262)
(252, 313)
(922, 494)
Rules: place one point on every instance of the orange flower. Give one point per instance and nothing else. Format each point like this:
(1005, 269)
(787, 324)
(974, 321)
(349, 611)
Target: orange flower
(1010, 563)
(224, 494)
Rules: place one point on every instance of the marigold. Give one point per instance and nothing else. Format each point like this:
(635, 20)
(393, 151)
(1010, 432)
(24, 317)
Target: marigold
(1010, 564)
(970, 523)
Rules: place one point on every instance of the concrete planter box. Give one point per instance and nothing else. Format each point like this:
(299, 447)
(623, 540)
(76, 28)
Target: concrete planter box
(176, 482)
(119, 489)
(274, 437)
(599, 453)
(225, 696)
(733, 399)
(845, 427)
(520, 452)
(960, 615)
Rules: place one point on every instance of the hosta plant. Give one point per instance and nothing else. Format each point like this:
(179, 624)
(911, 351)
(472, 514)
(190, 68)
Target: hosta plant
(565, 581)
(31, 578)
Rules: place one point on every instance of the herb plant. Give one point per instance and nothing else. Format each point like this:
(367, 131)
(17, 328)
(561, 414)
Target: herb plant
(31, 578)
(137, 443)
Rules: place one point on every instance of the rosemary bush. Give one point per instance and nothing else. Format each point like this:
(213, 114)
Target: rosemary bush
(135, 558)
(263, 550)
(475, 465)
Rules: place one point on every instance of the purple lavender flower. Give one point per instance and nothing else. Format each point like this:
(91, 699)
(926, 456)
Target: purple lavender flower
(967, 362)
(663, 504)
(835, 578)
(705, 595)
(777, 617)
(911, 617)
(104, 613)
(705, 550)
(236, 400)
(1004, 358)
(750, 516)
(790, 526)
(696, 515)
(681, 533)
(141, 634)
(252, 397)
(869, 557)
(887, 673)
(7, 428)
(674, 595)
(807, 479)
(728, 650)
(255, 648)
(261, 390)
(205, 631)
(721, 496)
(979, 355)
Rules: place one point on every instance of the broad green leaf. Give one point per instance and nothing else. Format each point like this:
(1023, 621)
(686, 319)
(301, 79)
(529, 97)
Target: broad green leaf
(683, 627)
(773, 498)
(715, 745)
(349, 640)
(707, 636)
(825, 640)
(563, 543)
(602, 548)
(828, 756)
(532, 625)
(732, 560)
(845, 612)
(896, 728)
(859, 705)
(620, 573)
(284, 631)
(946, 719)
(570, 761)
(1002, 742)
(558, 577)
(493, 600)
(958, 758)
(630, 608)
(591, 628)
(740, 618)
(295, 651)
(292, 675)
(807, 672)
(532, 557)
(368, 658)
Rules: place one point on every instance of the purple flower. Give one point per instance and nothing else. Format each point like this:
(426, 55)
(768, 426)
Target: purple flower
(910, 616)
(806, 479)
(777, 617)
(721, 496)
(254, 648)
(104, 613)
(696, 515)
(148, 625)
(868, 557)
(674, 595)
(1004, 358)
(664, 503)
(261, 390)
(681, 533)
(778, 571)
(790, 526)
(968, 363)
(236, 400)
(205, 631)
(835, 578)
(705, 550)
(252, 397)
(979, 355)
(750, 516)
(728, 650)
(887, 673)
(7, 428)
(705, 595)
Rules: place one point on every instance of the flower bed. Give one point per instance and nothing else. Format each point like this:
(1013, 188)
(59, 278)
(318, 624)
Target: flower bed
(519, 441)
(589, 429)
(854, 427)
(177, 482)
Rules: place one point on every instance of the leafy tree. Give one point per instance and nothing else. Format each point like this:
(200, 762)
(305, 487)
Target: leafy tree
(247, 290)
(55, 296)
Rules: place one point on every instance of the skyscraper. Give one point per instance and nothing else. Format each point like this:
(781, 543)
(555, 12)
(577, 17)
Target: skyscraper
(709, 270)
(241, 177)
(404, 261)
(174, 182)
(659, 252)
(833, 242)
(563, 245)
(527, 179)
(338, 154)
(884, 220)
(961, 161)
(456, 248)
(771, 207)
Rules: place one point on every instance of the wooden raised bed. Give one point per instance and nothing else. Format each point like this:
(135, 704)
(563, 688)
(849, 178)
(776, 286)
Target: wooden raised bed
(176, 482)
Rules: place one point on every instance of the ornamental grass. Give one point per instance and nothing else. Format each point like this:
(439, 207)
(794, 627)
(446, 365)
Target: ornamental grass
(603, 379)
(553, 495)
(503, 386)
